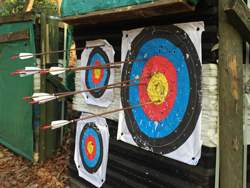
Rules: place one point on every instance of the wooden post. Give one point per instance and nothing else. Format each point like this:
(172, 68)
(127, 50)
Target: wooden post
(43, 89)
(230, 102)
(53, 33)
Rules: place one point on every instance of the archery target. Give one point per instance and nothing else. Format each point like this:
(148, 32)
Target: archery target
(94, 78)
(172, 58)
(91, 149)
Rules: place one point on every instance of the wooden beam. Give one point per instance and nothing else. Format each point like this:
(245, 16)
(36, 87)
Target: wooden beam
(58, 84)
(14, 36)
(51, 45)
(144, 10)
(230, 102)
(20, 17)
(239, 15)
(43, 116)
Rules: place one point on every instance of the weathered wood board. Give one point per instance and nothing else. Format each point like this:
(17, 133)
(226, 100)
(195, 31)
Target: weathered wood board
(145, 10)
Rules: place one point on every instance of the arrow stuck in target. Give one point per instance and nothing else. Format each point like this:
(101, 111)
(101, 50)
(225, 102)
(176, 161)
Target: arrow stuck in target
(58, 70)
(60, 123)
(30, 55)
(45, 98)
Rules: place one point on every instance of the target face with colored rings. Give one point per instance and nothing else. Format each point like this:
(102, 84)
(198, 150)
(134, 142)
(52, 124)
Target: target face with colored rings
(91, 147)
(175, 85)
(97, 77)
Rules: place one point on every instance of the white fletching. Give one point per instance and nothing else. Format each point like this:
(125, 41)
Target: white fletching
(56, 70)
(23, 74)
(40, 94)
(32, 69)
(44, 99)
(59, 123)
(29, 71)
(26, 55)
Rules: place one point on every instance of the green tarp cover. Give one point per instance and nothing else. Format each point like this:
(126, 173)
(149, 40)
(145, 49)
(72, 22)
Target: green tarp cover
(78, 7)
(16, 114)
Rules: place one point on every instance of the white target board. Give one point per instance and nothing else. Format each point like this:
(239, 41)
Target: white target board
(91, 149)
(170, 126)
(94, 78)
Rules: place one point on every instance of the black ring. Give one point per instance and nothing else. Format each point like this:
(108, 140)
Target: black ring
(180, 39)
(99, 162)
(106, 59)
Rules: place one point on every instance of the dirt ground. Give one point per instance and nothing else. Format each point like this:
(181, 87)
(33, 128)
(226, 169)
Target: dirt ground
(16, 171)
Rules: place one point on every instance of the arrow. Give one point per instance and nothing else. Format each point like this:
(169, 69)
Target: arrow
(57, 70)
(30, 55)
(44, 99)
(28, 71)
(36, 95)
(97, 88)
(60, 123)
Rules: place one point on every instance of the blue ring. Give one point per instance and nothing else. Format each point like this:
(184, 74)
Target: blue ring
(92, 132)
(159, 129)
(97, 56)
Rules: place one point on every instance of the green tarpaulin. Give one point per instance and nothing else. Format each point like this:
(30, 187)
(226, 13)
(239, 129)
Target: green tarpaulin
(78, 7)
(16, 113)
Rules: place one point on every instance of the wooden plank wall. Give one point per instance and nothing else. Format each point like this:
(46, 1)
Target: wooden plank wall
(129, 166)
(37, 33)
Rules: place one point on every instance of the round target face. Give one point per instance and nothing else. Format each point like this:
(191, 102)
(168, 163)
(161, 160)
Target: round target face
(91, 147)
(97, 77)
(175, 85)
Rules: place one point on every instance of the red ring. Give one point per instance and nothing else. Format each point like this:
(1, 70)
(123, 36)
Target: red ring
(163, 65)
(94, 80)
(91, 156)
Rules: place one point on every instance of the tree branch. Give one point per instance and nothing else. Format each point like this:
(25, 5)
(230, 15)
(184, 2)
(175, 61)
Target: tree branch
(28, 5)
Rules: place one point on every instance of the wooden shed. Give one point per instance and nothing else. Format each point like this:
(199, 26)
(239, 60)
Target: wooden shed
(130, 166)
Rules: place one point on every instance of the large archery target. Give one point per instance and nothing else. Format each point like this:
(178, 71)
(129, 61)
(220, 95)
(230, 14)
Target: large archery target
(169, 52)
(94, 78)
(91, 149)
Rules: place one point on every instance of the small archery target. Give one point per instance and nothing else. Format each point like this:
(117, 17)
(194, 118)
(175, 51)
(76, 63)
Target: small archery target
(91, 147)
(172, 61)
(91, 150)
(94, 78)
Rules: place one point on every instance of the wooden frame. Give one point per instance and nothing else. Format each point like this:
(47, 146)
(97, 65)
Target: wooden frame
(239, 15)
(14, 36)
(20, 17)
(145, 10)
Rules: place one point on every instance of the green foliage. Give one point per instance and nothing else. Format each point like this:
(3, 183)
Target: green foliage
(8, 7)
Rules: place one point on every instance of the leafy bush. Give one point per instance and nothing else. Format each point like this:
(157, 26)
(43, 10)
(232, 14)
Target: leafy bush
(8, 7)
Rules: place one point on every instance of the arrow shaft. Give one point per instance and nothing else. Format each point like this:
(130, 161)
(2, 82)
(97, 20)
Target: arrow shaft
(123, 82)
(60, 51)
(115, 111)
(84, 68)
(100, 88)
(97, 88)
(101, 65)
(75, 120)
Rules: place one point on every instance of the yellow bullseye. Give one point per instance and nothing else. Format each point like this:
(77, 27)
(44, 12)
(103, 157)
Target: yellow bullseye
(157, 88)
(90, 147)
(97, 73)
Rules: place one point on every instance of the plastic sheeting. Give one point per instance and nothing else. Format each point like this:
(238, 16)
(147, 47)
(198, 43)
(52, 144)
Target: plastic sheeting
(78, 7)
(16, 114)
